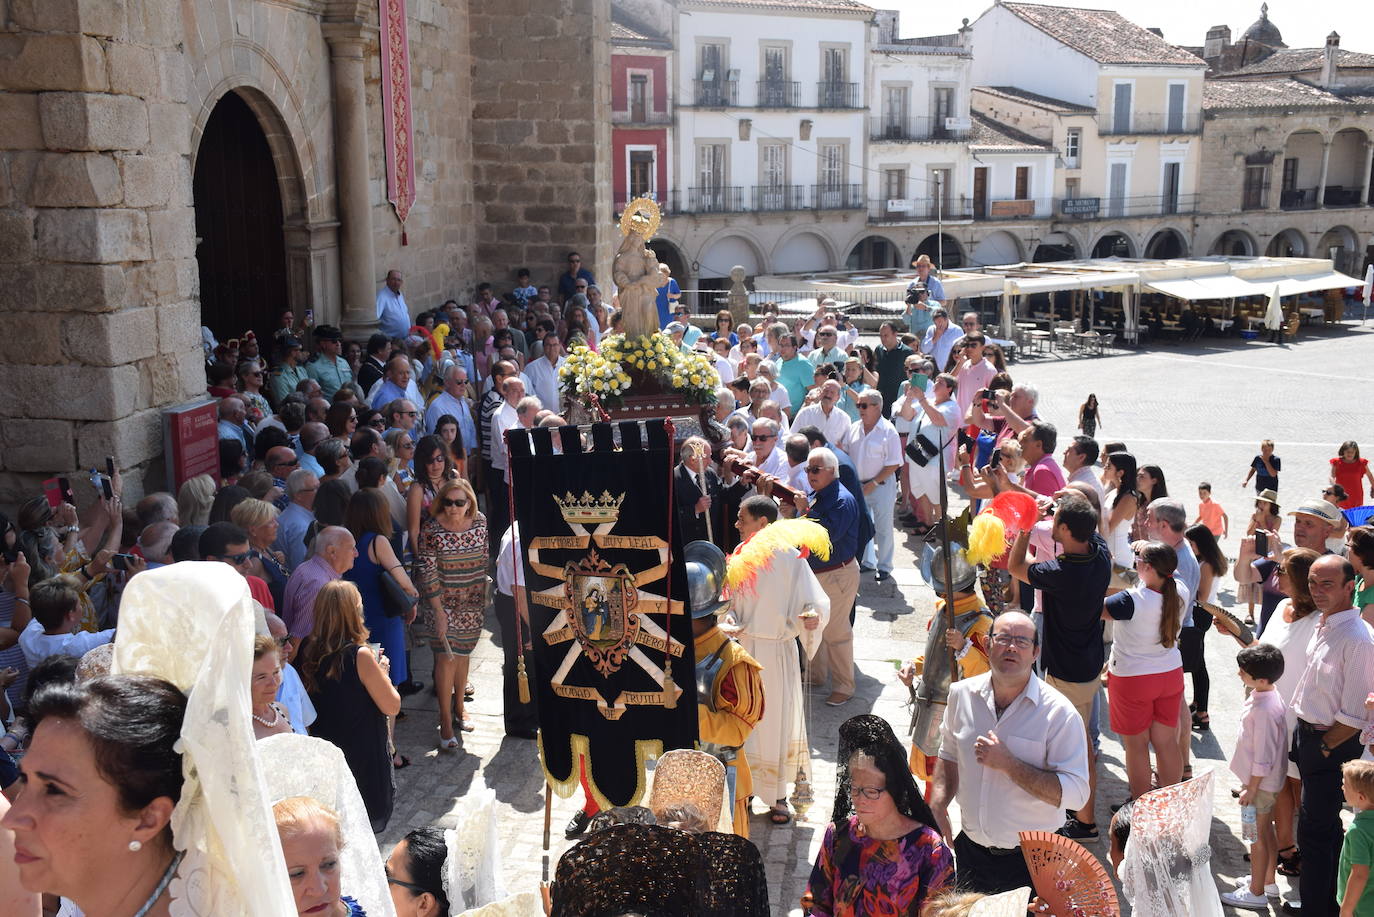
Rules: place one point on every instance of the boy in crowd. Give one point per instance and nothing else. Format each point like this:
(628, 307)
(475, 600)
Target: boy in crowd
(1357, 852)
(1260, 761)
(56, 617)
(1210, 513)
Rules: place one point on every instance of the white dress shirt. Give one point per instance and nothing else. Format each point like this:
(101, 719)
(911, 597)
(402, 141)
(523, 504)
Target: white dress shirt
(835, 427)
(1339, 673)
(543, 377)
(505, 418)
(510, 568)
(393, 315)
(875, 450)
(776, 464)
(1041, 728)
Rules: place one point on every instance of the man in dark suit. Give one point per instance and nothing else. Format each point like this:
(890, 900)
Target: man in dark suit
(695, 507)
(374, 364)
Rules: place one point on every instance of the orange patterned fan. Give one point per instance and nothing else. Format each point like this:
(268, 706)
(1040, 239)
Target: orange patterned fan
(1069, 880)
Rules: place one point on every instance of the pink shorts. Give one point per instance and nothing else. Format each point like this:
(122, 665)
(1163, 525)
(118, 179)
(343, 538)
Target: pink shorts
(1136, 701)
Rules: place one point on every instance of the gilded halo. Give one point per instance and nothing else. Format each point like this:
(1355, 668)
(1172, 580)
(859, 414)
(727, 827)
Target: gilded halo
(641, 215)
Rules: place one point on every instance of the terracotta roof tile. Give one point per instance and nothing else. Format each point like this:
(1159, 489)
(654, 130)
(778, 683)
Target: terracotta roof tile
(1035, 99)
(1102, 35)
(1224, 95)
(994, 135)
(1299, 60)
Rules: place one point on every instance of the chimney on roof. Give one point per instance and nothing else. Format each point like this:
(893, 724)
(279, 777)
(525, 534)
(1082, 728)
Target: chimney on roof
(1157, 30)
(1218, 40)
(1330, 69)
(888, 25)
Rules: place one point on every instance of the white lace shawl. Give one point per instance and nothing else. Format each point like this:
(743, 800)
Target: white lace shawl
(192, 624)
(298, 765)
(472, 869)
(1166, 871)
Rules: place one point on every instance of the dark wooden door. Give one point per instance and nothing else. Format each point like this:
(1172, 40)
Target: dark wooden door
(242, 251)
(980, 192)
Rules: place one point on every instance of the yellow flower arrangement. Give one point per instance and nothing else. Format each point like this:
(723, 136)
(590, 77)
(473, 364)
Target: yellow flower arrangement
(604, 371)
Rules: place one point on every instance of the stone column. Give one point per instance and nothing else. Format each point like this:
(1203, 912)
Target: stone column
(1321, 182)
(347, 44)
(1367, 173)
(1274, 193)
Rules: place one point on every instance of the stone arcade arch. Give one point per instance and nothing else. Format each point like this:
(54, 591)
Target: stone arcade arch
(873, 253)
(1113, 244)
(1342, 246)
(1234, 242)
(1167, 243)
(237, 189)
(668, 253)
(1289, 243)
(943, 249)
(996, 248)
(1056, 246)
(803, 252)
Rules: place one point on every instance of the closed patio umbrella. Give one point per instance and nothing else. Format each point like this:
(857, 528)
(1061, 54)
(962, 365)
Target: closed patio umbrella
(1273, 316)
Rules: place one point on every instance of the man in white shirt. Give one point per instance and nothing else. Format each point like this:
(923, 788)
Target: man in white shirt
(543, 374)
(453, 401)
(1329, 702)
(768, 456)
(1014, 752)
(877, 453)
(393, 315)
(826, 415)
(1079, 458)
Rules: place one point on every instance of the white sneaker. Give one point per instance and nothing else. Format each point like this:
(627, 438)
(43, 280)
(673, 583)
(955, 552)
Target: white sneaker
(1242, 898)
(1270, 891)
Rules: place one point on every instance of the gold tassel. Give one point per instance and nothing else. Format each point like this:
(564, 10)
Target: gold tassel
(669, 690)
(522, 680)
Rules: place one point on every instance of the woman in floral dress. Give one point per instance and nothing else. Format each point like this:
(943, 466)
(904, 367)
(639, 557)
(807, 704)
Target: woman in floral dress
(881, 856)
(452, 567)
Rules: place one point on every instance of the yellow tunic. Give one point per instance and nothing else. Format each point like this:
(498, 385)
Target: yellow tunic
(738, 692)
(975, 662)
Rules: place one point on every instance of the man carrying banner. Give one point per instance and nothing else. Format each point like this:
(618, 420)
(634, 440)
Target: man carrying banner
(729, 686)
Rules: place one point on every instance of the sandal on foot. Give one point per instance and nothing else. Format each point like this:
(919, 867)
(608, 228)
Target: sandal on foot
(1290, 861)
(405, 761)
(1201, 721)
(448, 744)
(467, 725)
(779, 816)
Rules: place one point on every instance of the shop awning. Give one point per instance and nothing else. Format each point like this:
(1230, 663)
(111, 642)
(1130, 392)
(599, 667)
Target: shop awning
(1075, 281)
(1311, 283)
(1226, 287)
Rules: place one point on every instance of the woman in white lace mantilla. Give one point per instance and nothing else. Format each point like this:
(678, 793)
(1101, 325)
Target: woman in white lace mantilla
(1166, 871)
(456, 872)
(327, 843)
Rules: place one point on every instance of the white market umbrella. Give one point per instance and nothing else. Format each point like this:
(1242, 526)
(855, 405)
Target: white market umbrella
(1273, 316)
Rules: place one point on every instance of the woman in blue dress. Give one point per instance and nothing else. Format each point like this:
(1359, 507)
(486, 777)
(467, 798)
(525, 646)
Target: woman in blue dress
(369, 519)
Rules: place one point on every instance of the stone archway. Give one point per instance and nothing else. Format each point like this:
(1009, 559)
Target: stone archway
(996, 248)
(1113, 245)
(1056, 246)
(943, 249)
(1165, 244)
(1341, 245)
(1235, 243)
(240, 217)
(668, 253)
(1290, 243)
(873, 253)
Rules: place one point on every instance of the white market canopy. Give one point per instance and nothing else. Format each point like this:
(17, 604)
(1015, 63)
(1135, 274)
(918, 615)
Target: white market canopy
(1203, 278)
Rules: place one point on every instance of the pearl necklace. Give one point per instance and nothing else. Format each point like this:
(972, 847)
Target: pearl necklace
(276, 717)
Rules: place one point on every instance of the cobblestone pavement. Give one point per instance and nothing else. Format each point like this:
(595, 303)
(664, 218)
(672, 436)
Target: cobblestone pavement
(1198, 411)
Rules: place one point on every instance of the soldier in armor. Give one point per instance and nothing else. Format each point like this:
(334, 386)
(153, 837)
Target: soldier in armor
(729, 686)
(965, 635)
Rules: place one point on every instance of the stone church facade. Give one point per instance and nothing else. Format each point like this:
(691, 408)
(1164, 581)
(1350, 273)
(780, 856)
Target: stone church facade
(171, 163)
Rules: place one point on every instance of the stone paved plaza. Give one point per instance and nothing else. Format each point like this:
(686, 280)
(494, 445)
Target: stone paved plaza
(1197, 411)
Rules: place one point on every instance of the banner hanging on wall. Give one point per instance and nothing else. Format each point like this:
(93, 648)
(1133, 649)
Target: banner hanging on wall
(398, 133)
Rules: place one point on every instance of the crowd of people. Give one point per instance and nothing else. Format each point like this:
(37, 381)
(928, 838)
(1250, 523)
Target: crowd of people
(362, 496)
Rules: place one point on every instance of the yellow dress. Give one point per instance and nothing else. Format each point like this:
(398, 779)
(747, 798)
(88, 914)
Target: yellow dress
(738, 693)
(975, 662)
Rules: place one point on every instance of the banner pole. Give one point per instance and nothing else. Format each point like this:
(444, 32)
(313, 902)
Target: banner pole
(548, 816)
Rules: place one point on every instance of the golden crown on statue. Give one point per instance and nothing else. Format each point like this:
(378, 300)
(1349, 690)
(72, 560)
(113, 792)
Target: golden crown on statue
(589, 509)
